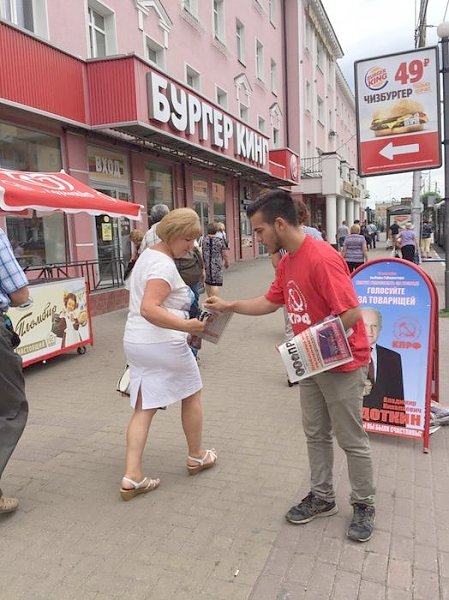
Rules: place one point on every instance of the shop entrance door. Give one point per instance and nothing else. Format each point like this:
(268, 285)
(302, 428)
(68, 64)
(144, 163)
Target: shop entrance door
(113, 245)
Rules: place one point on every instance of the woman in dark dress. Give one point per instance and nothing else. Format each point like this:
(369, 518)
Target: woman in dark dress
(215, 257)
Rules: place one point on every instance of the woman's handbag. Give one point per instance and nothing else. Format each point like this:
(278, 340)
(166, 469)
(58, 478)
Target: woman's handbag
(190, 267)
(123, 383)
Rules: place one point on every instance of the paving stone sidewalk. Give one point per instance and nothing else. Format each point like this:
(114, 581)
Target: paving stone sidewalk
(220, 535)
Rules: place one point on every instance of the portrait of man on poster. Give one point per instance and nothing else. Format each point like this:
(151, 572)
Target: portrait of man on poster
(385, 378)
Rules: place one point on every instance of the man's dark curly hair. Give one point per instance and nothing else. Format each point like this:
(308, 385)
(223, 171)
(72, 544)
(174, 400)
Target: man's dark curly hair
(279, 203)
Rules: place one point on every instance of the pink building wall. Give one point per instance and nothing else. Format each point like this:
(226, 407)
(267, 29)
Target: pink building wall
(192, 43)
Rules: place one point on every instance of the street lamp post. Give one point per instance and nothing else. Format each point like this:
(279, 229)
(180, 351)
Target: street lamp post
(443, 33)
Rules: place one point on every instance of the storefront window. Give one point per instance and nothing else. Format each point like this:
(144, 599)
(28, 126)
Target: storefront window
(246, 231)
(159, 185)
(27, 150)
(36, 240)
(218, 198)
(201, 201)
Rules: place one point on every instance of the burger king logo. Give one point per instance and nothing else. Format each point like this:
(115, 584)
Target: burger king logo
(376, 78)
(294, 167)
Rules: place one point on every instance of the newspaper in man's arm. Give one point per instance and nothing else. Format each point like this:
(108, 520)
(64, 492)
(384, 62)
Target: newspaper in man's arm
(319, 348)
(215, 324)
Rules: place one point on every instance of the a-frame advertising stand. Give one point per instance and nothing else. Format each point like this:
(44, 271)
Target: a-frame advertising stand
(399, 304)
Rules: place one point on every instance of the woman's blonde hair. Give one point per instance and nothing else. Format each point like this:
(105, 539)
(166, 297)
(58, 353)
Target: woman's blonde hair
(136, 236)
(179, 223)
(355, 228)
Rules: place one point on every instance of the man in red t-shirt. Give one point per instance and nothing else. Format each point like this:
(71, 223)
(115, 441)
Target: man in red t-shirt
(313, 282)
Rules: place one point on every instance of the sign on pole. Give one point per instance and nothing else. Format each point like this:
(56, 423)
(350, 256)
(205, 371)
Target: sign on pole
(397, 106)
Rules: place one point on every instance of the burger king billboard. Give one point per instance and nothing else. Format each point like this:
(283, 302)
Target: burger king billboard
(397, 105)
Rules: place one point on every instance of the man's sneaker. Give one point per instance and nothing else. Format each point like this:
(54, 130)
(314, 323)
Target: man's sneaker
(362, 525)
(309, 508)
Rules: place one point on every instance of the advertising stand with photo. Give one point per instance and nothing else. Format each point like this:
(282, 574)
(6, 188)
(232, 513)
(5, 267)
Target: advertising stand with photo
(57, 320)
(400, 311)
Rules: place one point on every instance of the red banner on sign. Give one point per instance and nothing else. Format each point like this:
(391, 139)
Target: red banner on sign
(398, 153)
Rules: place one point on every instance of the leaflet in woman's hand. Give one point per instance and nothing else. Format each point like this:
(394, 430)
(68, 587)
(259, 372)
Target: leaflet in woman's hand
(215, 324)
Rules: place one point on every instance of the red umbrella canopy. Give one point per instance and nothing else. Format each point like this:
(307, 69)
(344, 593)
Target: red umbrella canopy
(47, 192)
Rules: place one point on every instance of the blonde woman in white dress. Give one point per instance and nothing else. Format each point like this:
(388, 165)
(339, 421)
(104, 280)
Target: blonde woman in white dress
(163, 369)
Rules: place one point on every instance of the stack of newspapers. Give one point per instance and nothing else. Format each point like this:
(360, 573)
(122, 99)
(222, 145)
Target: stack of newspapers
(319, 348)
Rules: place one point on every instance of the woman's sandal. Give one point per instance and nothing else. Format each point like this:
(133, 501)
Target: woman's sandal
(145, 486)
(207, 462)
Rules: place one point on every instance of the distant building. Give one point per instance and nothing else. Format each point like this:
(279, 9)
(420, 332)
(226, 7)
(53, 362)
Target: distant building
(325, 126)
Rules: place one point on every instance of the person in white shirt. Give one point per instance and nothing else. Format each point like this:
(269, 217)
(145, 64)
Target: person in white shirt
(162, 368)
(150, 239)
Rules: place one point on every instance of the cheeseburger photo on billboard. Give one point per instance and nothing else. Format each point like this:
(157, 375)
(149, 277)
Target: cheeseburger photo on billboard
(403, 116)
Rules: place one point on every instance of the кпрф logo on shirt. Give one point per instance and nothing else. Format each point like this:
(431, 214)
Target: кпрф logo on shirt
(296, 305)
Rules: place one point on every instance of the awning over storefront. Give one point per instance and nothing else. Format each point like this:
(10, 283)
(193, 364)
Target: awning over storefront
(48, 192)
(174, 148)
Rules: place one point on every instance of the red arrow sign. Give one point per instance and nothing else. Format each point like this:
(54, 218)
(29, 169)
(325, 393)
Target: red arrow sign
(398, 153)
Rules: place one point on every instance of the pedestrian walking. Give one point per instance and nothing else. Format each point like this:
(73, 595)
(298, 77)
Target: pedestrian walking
(342, 232)
(13, 402)
(407, 242)
(426, 236)
(157, 213)
(215, 257)
(354, 249)
(313, 281)
(162, 368)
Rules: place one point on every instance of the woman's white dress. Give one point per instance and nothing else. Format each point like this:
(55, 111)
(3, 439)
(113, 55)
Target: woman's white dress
(160, 362)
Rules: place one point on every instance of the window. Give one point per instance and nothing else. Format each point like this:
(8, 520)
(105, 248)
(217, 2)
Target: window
(320, 110)
(19, 12)
(191, 6)
(219, 30)
(222, 97)
(308, 149)
(272, 11)
(97, 34)
(259, 60)
(261, 124)
(159, 185)
(320, 56)
(275, 137)
(308, 96)
(36, 240)
(243, 90)
(101, 26)
(155, 53)
(243, 110)
(240, 35)
(308, 36)
(27, 14)
(192, 78)
(273, 76)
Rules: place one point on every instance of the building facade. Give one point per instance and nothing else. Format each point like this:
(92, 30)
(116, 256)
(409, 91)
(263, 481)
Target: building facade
(324, 130)
(200, 103)
(181, 103)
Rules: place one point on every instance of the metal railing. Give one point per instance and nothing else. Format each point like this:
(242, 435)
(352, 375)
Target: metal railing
(100, 275)
(311, 167)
